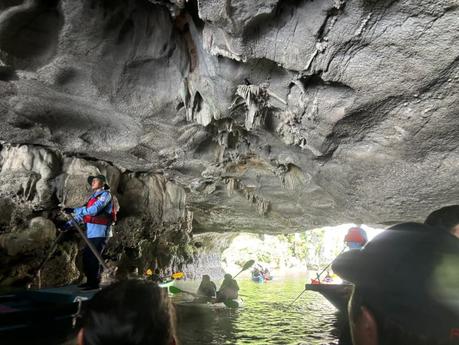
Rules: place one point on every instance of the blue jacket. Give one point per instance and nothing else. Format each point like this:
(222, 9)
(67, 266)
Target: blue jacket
(103, 203)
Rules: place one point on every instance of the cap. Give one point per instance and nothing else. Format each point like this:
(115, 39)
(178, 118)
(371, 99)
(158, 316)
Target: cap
(408, 274)
(100, 177)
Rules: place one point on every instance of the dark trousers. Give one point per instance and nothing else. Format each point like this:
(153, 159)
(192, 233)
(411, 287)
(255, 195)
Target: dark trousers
(91, 266)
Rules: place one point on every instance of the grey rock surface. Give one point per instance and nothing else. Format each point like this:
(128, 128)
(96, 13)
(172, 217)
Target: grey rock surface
(265, 116)
(154, 227)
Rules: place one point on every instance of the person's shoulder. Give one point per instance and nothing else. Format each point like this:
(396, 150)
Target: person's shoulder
(104, 195)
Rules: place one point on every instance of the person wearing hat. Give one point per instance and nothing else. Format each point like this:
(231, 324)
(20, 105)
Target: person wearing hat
(406, 287)
(97, 215)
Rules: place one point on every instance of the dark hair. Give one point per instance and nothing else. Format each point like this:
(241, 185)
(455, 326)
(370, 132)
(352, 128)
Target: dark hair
(129, 312)
(446, 218)
(389, 331)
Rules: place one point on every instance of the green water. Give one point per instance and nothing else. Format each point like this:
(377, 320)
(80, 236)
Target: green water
(266, 317)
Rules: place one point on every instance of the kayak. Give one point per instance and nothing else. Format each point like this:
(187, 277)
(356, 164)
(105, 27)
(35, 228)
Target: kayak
(30, 314)
(336, 294)
(200, 305)
(166, 284)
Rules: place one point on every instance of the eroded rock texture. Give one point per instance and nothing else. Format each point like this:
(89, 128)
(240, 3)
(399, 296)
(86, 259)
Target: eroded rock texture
(154, 227)
(269, 116)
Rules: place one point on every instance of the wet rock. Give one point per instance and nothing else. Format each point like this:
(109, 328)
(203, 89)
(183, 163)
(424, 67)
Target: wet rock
(208, 255)
(39, 234)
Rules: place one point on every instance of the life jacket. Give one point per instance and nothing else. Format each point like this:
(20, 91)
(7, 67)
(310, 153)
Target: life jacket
(103, 218)
(355, 235)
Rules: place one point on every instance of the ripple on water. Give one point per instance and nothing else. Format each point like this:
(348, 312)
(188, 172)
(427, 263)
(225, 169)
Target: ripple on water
(267, 318)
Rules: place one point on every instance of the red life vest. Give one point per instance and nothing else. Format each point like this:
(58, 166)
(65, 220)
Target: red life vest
(355, 235)
(103, 218)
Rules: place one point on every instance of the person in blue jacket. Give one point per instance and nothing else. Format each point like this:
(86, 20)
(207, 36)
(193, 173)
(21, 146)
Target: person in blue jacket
(97, 215)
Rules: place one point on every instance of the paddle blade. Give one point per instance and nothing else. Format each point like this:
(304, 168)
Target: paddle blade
(230, 303)
(174, 290)
(248, 264)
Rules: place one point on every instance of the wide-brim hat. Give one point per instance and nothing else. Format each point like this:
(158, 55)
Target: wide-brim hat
(408, 274)
(99, 177)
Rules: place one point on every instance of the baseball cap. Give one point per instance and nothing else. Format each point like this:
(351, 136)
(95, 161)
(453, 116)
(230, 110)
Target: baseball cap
(409, 274)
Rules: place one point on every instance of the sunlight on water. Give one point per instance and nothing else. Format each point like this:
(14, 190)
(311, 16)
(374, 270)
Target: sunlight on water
(266, 317)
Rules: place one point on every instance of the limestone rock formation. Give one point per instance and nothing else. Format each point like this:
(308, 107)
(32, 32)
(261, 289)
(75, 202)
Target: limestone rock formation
(218, 115)
(154, 227)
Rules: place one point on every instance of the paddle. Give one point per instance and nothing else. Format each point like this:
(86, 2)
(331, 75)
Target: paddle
(175, 290)
(318, 277)
(89, 244)
(246, 266)
(45, 260)
(319, 274)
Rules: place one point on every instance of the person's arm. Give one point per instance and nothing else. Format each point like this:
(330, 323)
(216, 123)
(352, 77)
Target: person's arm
(102, 201)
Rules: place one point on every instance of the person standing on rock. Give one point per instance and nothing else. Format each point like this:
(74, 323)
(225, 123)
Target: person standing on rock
(97, 214)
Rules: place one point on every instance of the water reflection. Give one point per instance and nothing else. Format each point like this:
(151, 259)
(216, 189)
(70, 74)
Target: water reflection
(206, 326)
(266, 318)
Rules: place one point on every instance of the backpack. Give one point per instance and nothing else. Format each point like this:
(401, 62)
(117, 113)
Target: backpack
(114, 215)
(115, 209)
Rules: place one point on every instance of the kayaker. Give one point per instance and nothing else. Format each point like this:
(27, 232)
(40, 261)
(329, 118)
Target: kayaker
(266, 274)
(355, 238)
(97, 216)
(229, 289)
(446, 218)
(156, 276)
(130, 312)
(255, 273)
(207, 288)
(406, 287)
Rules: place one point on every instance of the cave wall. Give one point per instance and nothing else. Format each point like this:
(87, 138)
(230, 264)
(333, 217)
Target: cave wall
(154, 227)
(268, 116)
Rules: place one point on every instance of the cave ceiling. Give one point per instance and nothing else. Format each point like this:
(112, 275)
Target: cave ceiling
(273, 115)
